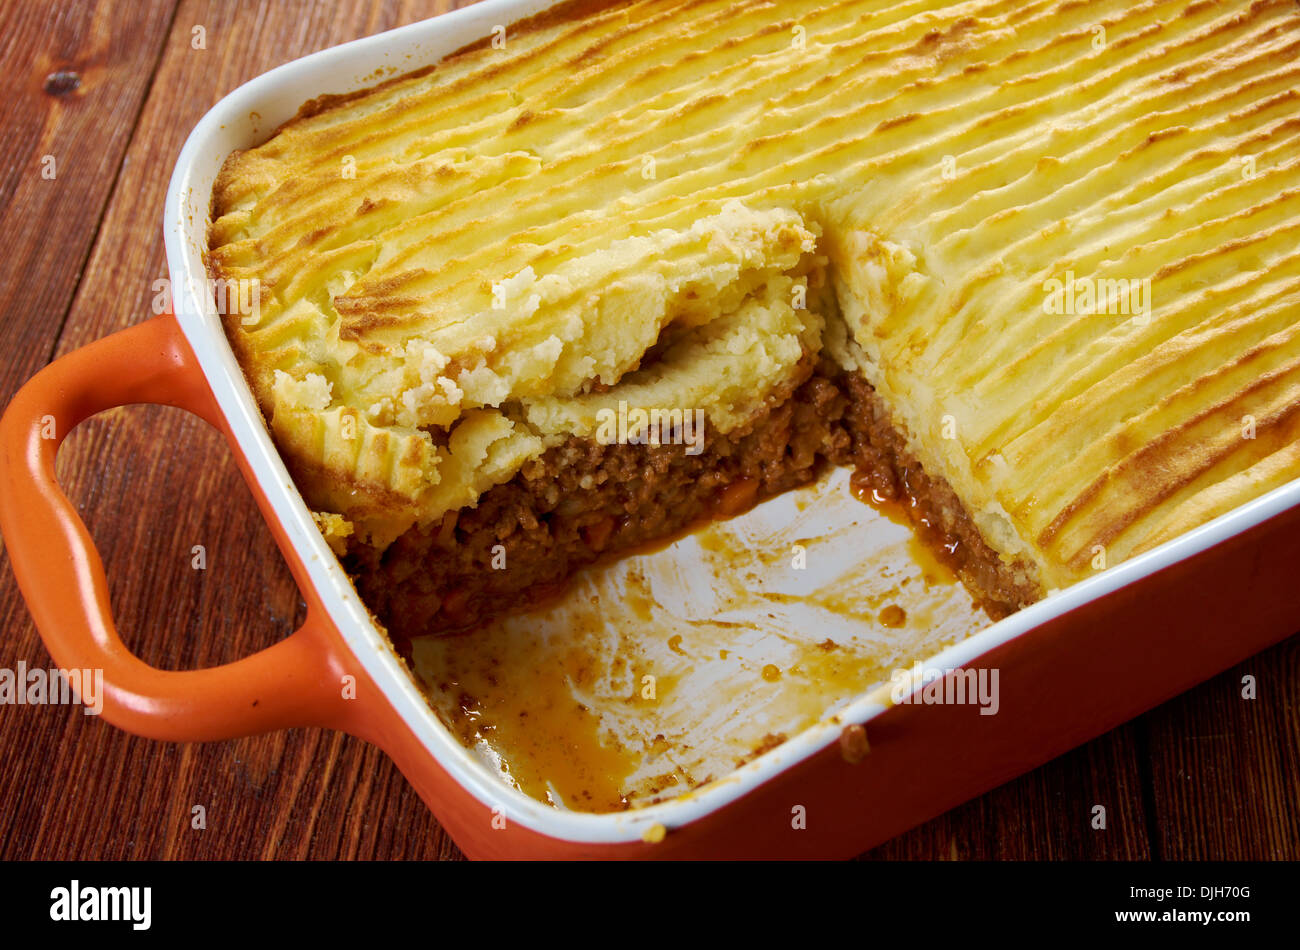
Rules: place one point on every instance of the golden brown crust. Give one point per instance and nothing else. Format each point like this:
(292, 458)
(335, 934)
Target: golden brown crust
(951, 161)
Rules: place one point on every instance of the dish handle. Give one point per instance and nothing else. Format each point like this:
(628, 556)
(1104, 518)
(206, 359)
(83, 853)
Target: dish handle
(296, 682)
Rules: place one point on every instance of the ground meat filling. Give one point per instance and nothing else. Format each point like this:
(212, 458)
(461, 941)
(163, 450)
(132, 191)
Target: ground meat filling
(583, 501)
(885, 467)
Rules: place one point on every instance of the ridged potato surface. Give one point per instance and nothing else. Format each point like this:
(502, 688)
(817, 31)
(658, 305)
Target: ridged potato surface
(459, 267)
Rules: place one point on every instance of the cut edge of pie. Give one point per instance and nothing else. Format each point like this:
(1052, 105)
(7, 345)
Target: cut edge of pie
(842, 252)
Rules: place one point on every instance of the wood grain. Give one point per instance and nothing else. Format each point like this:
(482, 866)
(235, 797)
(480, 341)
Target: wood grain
(74, 84)
(1207, 775)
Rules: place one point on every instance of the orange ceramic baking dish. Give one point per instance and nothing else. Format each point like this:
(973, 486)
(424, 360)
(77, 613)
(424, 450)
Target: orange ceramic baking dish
(1071, 666)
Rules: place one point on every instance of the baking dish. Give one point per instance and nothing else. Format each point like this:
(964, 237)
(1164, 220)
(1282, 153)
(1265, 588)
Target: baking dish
(1071, 666)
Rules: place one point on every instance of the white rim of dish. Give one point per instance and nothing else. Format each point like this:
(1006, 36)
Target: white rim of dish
(258, 107)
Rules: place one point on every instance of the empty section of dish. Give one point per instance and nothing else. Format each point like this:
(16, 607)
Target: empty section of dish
(667, 670)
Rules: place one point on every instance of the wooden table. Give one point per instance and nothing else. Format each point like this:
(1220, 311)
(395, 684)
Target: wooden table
(110, 89)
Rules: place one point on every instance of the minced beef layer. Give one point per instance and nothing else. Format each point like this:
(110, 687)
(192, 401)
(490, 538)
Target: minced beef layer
(583, 501)
(891, 472)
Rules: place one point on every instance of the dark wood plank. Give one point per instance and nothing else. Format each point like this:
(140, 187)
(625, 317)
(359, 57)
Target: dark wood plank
(75, 78)
(151, 483)
(1206, 775)
(1225, 770)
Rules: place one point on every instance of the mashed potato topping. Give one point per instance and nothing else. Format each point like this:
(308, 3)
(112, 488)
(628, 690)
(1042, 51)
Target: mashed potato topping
(675, 205)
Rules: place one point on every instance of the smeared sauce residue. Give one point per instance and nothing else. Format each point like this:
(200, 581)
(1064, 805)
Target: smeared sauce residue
(932, 548)
(893, 616)
(544, 739)
(660, 673)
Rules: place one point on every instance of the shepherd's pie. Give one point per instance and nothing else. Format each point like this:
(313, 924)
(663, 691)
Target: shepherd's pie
(1031, 265)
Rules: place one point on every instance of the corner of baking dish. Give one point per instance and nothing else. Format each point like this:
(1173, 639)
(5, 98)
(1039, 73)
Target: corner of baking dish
(249, 114)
